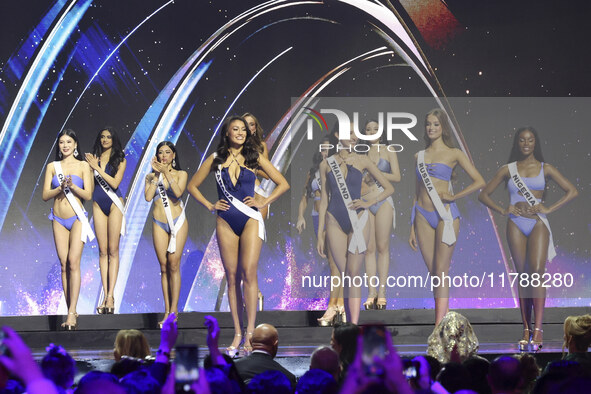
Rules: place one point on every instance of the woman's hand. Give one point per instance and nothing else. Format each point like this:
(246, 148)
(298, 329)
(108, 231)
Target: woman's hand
(220, 205)
(320, 247)
(253, 203)
(412, 239)
(446, 197)
(157, 166)
(538, 208)
(512, 210)
(301, 224)
(92, 161)
(359, 204)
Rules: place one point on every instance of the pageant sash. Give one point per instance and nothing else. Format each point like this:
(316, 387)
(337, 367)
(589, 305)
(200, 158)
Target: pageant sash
(532, 201)
(449, 235)
(357, 243)
(174, 228)
(86, 233)
(112, 195)
(239, 205)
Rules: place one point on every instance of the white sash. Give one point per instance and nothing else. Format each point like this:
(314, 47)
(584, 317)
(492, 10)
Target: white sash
(86, 233)
(532, 201)
(449, 235)
(260, 191)
(112, 195)
(174, 228)
(357, 243)
(239, 205)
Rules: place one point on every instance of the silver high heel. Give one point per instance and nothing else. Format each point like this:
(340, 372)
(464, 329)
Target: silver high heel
(524, 343)
(536, 346)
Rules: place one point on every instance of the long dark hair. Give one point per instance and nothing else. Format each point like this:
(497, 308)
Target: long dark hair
(250, 151)
(516, 153)
(258, 134)
(316, 160)
(445, 128)
(72, 134)
(117, 154)
(177, 164)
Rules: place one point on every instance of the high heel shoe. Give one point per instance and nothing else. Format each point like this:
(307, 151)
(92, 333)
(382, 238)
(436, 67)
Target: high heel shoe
(247, 348)
(330, 317)
(370, 303)
(161, 322)
(342, 315)
(71, 327)
(260, 301)
(109, 310)
(536, 346)
(524, 343)
(381, 304)
(232, 350)
(101, 308)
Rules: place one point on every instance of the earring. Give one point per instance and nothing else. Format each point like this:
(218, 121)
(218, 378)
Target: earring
(60, 154)
(173, 163)
(75, 152)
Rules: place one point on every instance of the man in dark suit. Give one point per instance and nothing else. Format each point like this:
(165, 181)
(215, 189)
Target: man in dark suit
(265, 342)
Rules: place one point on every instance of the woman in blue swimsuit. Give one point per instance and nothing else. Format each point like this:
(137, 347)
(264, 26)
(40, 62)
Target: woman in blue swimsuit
(347, 244)
(67, 228)
(239, 226)
(381, 218)
(108, 160)
(167, 169)
(427, 227)
(335, 310)
(527, 234)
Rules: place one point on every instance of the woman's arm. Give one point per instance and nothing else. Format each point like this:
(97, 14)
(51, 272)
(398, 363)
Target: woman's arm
(301, 222)
(178, 188)
(394, 174)
(490, 187)
(412, 239)
(197, 180)
(265, 154)
(477, 179)
(113, 181)
(86, 193)
(381, 178)
(150, 187)
(323, 207)
(48, 192)
(276, 177)
(571, 191)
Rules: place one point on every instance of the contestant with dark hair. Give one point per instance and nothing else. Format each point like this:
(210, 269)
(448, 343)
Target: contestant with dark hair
(68, 181)
(108, 163)
(256, 131)
(528, 230)
(382, 218)
(166, 185)
(435, 216)
(240, 226)
(336, 306)
(343, 214)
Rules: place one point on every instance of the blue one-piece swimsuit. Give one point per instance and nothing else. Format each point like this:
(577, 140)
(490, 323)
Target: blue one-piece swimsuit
(68, 222)
(439, 171)
(336, 205)
(244, 187)
(100, 197)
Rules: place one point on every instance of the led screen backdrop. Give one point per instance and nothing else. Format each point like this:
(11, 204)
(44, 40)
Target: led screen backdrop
(164, 70)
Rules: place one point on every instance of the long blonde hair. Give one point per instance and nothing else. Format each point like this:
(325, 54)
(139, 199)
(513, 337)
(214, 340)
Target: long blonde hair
(445, 128)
